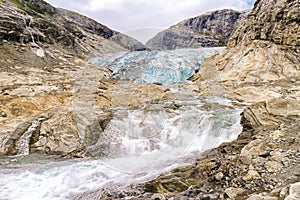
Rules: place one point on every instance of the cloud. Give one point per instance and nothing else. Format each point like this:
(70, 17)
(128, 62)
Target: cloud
(126, 15)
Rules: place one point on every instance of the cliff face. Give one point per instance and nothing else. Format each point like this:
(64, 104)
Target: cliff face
(273, 21)
(208, 30)
(260, 67)
(62, 109)
(38, 30)
(45, 84)
(265, 47)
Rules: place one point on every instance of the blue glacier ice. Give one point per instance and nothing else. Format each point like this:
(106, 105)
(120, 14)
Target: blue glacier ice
(161, 67)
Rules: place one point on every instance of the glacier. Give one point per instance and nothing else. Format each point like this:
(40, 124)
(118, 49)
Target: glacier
(159, 67)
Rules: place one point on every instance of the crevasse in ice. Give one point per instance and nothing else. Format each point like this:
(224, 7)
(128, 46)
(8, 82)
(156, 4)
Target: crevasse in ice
(161, 67)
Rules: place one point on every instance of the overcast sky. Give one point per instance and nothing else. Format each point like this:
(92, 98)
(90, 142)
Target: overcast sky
(126, 15)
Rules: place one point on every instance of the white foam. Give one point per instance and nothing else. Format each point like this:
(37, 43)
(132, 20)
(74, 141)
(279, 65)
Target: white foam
(143, 143)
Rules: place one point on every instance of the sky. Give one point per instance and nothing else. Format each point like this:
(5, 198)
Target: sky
(127, 15)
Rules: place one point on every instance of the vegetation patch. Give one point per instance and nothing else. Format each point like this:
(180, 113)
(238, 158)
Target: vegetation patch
(19, 4)
(36, 8)
(28, 8)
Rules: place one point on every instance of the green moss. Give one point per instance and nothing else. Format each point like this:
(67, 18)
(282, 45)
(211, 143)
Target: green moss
(28, 8)
(204, 33)
(75, 13)
(36, 8)
(19, 4)
(222, 42)
(39, 10)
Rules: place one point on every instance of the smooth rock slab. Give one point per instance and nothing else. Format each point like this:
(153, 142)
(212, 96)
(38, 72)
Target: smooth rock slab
(294, 192)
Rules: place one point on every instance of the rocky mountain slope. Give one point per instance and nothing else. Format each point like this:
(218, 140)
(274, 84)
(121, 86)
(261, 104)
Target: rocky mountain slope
(43, 72)
(47, 35)
(207, 30)
(260, 68)
(52, 102)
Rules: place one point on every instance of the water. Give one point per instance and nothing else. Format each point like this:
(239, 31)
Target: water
(23, 143)
(161, 67)
(143, 142)
(140, 141)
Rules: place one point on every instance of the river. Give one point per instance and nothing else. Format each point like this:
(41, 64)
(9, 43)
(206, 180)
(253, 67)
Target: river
(140, 141)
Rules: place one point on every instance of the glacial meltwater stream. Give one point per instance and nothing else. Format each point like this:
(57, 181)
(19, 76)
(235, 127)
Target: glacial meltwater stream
(140, 141)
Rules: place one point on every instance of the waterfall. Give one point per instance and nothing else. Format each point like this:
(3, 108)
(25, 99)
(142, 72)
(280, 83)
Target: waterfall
(139, 142)
(22, 145)
(144, 142)
(28, 27)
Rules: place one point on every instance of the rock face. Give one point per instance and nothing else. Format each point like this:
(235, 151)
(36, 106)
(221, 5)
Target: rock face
(208, 30)
(128, 42)
(280, 25)
(243, 164)
(45, 34)
(265, 47)
(260, 67)
(52, 102)
(44, 80)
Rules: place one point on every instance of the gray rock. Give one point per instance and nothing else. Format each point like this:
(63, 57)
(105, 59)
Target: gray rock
(219, 176)
(213, 196)
(294, 192)
(158, 197)
(261, 197)
(208, 30)
(30, 22)
(127, 42)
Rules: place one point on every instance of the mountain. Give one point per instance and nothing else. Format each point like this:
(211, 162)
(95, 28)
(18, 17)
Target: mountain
(45, 73)
(264, 48)
(207, 30)
(55, 105)
(38, 30)
(143, 34)
(260, 68)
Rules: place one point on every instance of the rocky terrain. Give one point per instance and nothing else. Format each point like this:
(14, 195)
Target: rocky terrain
(53, 102)
(49, 36)
(211, 29)
(42, 57)
(260, 67)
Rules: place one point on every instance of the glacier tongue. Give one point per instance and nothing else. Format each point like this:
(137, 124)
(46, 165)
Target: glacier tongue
(160, 67)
